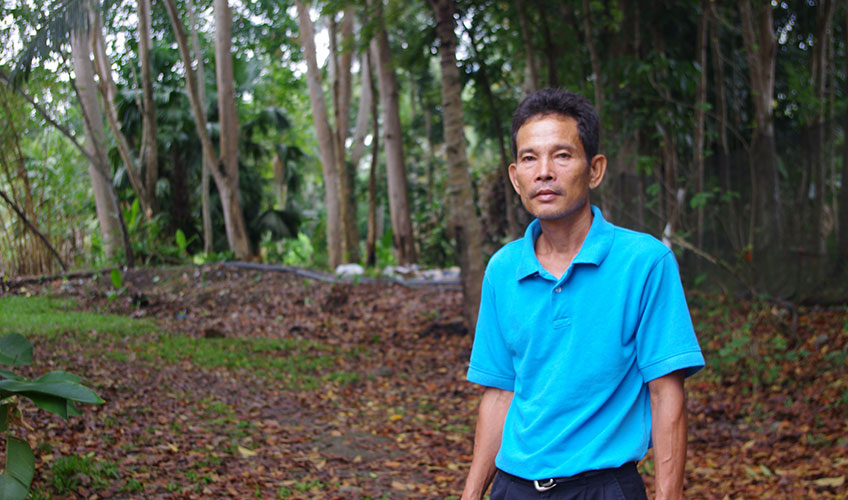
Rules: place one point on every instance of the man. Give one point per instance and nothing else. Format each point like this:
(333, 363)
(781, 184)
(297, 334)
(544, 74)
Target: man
(583, 338)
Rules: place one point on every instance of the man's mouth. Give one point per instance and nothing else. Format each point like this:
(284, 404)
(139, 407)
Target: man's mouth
(545, 194)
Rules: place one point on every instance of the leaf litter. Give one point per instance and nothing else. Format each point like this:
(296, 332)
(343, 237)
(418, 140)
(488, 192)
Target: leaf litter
(271, 385)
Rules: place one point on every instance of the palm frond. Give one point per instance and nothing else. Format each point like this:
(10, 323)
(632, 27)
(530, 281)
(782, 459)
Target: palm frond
(61, 18)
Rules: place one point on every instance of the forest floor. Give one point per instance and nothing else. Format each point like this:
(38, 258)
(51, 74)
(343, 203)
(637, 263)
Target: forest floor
(247, 384)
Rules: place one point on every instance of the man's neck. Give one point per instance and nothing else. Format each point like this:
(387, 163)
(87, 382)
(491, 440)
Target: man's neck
(561, 240)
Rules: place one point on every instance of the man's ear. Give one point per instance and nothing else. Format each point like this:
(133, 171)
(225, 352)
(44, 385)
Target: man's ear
(513, 179)
(597, 169)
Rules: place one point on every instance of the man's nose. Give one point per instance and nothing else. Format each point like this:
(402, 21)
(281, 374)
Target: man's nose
(545, 172)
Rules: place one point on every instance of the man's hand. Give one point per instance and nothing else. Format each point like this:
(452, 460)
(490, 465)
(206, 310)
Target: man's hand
(668, 422)
(487, 441)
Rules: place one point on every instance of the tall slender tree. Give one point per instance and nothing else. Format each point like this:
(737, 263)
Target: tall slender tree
(103, 66)
(225, 174)
(149, 141)
(730, 216)
(393, 143)
(843, 195)
(341, 60)
(464, 223)
(326, 139)
(531, 65)
(371, 239)
(229, 125)
(594, 58)
(205, 207)
(766, 232)
(363, 111)
(824, 17)
(513, 229)
(700, 113)
(104, 196)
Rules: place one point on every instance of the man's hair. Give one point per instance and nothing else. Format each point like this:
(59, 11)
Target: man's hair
(559, 102)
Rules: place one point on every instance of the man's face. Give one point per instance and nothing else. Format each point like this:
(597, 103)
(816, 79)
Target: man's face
(552, 174)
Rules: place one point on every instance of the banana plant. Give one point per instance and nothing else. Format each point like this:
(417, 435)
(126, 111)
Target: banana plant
(56, 392)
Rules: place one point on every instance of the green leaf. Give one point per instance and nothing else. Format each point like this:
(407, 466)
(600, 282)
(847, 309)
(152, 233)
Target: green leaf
(67, 390)
(53, 404)
(5, 410)
(701, 199)
(117, 278)
(20, 465)
(10, 375)
(181, 240)
(72, 410)
(59, 377)
(15, 350)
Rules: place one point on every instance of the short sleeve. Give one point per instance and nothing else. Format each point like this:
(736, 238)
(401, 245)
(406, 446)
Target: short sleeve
(491, 362)
(665, 339)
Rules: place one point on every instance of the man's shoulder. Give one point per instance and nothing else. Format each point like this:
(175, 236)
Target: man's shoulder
(631, 244)
(506, 257)
(635, 250)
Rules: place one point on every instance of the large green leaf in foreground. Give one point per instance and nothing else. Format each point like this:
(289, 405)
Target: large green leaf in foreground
(20, 466)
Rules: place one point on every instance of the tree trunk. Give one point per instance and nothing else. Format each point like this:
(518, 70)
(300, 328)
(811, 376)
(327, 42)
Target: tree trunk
(606, 203)
(103, 68)
(830, 131)
(325, 137)
(843, 195)
(205, 208)
(513, 230)
(180, 199)
(393, 145)
(531, 66)
(767, 226)
(730, 213)
(371, 240)
(672, 194)
(104, 196)
(463, 214)
(226, 183)
(363, 112)
(824, 16)
(593, 57)
(431, 155)
(341, 84)
(149, 149)
(700, 115)
(228, 121)
(551, 52)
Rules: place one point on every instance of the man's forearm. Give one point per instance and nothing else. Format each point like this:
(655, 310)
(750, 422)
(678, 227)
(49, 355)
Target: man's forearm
(669, 435)
(487, 441)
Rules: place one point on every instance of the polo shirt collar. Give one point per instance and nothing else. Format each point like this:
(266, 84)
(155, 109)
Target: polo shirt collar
(595, 247)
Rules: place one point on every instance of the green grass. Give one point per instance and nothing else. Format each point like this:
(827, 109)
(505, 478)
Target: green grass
(47, 316)
(300, 362)
(65, 475)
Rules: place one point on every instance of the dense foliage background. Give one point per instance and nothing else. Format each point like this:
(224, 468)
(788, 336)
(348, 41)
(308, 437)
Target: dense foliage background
(724, 123)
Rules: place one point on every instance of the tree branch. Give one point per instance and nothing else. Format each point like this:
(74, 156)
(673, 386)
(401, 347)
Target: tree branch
(46, 116)
(34, 229)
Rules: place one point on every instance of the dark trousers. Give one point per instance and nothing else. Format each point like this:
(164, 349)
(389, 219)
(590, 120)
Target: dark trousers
(623, 483)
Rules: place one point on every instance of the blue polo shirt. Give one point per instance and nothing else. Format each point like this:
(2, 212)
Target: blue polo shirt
(579, 351)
